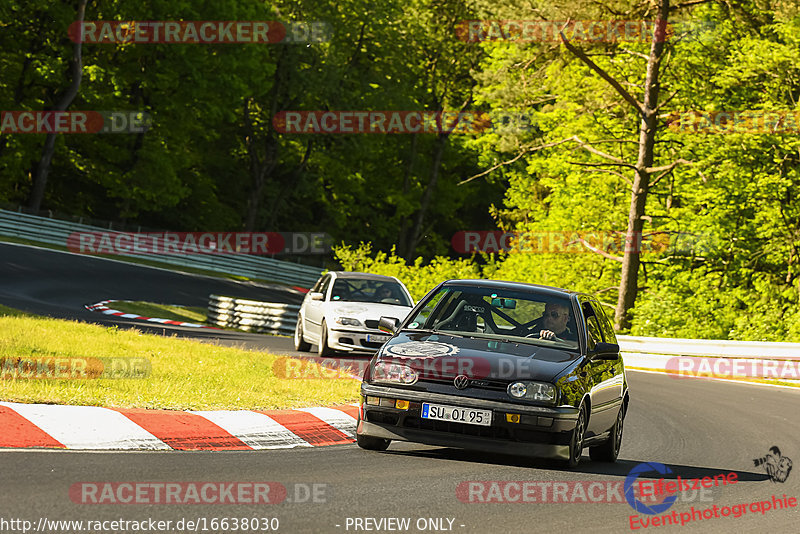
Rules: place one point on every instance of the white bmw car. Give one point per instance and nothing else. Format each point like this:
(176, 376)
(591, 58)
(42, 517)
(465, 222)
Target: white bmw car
(342, 310)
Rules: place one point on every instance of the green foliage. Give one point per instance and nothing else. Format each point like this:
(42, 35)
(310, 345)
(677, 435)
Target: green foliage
(419, 278)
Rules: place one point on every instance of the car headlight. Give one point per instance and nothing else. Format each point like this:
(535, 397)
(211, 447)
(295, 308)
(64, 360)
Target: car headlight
(394, 373)
(347, 321)
(535, 391)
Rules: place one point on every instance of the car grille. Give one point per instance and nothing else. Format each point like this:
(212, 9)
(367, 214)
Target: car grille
(371, 323)
(477, 383)
(387, 418)
(371, 344)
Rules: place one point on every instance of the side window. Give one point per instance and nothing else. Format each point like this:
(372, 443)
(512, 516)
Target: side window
(605, 323)
(326, 282)
(592, 328)
(316, 287)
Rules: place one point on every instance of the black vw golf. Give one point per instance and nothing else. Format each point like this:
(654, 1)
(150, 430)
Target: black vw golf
(498, 366)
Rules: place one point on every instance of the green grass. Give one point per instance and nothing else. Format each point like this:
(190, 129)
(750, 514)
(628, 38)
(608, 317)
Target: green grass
(12, 312)
(187, 314)
(185, 374)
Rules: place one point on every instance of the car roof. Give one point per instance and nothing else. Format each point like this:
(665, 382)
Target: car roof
(519, 286)
(362, 276)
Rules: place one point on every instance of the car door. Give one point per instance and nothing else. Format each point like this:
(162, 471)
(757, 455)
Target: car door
(314, 311)
(600, 375)
(609, 336)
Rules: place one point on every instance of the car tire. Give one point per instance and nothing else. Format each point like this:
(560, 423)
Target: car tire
(576, 440)
(372, 444)
(608, 451)
(300, 344)
(323, 349)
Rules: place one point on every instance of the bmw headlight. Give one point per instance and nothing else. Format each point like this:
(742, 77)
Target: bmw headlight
(394, 373)
(535, 391)
(347, 321)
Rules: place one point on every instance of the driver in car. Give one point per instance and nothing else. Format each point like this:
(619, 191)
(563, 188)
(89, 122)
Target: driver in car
(553, 323)
(384, 292)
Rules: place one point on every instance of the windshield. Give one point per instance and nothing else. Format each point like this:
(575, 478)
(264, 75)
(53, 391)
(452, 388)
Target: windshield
(509, 315)
(359, 290)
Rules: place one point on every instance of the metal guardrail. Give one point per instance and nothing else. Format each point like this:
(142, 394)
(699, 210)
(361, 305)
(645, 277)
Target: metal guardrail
(710, 347)
(252, 315)
(713, 358)
(56, 232)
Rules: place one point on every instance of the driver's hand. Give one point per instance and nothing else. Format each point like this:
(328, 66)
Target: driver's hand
(547, 334)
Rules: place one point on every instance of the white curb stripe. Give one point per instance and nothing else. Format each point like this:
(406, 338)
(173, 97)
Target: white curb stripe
(88, 427)
(257, 430)
(341, 421)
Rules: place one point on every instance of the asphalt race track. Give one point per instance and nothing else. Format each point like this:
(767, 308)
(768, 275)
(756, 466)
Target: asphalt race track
(59, 284)
(697, 428)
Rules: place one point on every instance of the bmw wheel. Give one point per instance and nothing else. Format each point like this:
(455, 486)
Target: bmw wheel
(300, 343)
(323, 349)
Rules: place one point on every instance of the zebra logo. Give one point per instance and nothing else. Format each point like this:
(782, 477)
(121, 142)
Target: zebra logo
(777, 467)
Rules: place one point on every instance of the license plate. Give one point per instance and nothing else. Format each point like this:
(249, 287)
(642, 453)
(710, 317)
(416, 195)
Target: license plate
(377, 338)
(470, 416)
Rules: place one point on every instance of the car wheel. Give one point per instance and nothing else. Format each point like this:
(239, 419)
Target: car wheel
(576, 441)
(300, 343)
(323, 349)
(372, 444)
(608, 451)
(369, 443)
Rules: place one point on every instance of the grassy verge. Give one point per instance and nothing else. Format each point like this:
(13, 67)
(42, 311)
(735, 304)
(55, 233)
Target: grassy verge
(12, 312)
(187, 314)
(184, 374)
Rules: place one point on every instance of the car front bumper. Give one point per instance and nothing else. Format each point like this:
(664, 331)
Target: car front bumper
(352, 340)
(541, 431)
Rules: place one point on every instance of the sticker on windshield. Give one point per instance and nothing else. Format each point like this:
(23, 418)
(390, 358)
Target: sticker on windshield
(424, 349)
(414, 325)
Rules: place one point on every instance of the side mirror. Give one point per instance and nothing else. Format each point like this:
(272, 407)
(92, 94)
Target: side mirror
(389, 325)
(317, 296)
(606, 351)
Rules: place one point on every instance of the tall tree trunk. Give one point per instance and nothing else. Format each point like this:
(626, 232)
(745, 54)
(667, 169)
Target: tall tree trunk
(402, 234)
(628, 286)
(416, 231)
(43, 166)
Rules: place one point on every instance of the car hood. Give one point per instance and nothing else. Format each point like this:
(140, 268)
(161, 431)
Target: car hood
(364, 310)
(440, 356)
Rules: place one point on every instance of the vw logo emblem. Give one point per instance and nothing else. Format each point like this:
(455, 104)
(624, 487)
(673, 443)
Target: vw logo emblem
(461, 381)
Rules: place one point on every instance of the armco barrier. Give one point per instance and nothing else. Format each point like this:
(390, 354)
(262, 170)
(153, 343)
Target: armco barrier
(766, 357)
(55, 232)
(252, 315)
